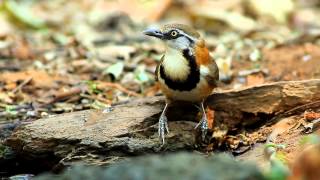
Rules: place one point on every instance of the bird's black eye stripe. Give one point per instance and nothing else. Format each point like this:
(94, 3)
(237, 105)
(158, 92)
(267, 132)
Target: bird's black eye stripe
(190, 40)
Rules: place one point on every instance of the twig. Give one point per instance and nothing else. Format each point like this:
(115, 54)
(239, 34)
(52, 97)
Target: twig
(296, 109)
(106, 101)
(64, 95)
(67, 94)
(102, 85)
(25, 82)
(273, 135)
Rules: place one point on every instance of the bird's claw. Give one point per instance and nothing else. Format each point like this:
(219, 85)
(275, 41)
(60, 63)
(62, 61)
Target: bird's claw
(203, 124)
(163, 128)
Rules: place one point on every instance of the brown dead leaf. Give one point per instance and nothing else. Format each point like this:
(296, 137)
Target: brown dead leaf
(210, 118)
(22, 50)
(152, 91)
(138, 10)
(59, 96)
(255, 79)
(40, 79)
(282, 126)
(203, 15)
(219, 134)
(233, 142)
(4, 97)
(10, 86)
(160, 10)
(309, 116)
(106, 85)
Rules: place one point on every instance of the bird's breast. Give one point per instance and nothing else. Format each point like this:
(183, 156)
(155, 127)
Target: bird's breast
(179, 71)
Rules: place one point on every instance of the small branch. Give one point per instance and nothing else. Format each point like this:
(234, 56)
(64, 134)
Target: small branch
(104, 85)
(25, 82)
(67, 94)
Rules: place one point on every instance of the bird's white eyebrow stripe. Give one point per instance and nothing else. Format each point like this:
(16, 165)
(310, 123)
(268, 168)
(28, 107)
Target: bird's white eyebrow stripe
(181, 32)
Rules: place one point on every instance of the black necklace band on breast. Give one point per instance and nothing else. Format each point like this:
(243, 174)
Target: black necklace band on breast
(190, 82)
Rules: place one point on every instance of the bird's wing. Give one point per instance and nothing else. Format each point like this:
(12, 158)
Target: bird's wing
(211, 73)
(158, 68)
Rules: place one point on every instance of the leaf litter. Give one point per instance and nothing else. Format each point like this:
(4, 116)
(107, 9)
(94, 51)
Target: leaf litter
(82, 57)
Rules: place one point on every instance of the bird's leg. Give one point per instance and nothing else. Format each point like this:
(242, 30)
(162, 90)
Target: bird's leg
(163, 124)
(203, 122)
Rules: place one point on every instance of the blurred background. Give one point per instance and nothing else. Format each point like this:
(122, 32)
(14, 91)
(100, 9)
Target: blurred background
(60, 56)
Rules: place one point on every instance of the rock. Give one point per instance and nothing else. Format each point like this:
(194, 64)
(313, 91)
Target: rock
(185, 166)
(94, 137)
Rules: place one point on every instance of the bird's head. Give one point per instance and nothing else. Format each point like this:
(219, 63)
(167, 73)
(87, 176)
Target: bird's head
(176, 36)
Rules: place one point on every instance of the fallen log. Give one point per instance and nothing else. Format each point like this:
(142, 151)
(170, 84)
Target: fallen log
(130, 129)
(260, 103)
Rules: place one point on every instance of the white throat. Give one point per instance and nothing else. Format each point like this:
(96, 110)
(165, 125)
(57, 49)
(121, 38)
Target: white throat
(175, 65)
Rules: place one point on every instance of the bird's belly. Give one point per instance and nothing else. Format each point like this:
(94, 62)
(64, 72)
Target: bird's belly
(197, 94)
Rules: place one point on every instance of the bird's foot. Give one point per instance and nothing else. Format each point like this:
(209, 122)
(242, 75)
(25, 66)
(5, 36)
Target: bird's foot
(163, 127)
(203, 124)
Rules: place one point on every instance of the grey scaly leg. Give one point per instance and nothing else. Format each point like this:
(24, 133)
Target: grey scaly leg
(203, 122)
(163, 124)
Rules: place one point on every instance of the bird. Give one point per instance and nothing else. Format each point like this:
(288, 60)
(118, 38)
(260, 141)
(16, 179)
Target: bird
(186, 71)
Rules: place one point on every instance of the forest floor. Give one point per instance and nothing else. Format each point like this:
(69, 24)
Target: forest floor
(79, 58)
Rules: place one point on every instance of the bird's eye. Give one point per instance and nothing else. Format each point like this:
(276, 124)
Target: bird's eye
(174, 33)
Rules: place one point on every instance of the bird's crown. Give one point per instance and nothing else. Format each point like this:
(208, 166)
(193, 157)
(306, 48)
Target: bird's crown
(182, 28)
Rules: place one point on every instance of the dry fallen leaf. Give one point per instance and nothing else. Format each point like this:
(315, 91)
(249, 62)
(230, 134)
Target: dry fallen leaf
(218, 17)
(279, 10)
(310, 115)
(255, 79)
(210, 118)
(40, 79)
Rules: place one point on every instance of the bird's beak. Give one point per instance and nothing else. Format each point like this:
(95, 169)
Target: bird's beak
(153, 32)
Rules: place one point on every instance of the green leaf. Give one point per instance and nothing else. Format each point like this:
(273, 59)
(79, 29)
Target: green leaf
(23, 14)
(6, 152)
(60, 38)
(11, 110)
(310, 139)
(278, 171)
(142, 76)
(99, 105)
(273, 145)
(115, 70)
(93, 87)
(255, 55)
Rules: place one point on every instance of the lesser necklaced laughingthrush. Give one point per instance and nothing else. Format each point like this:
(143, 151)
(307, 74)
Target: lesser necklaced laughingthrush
(186, 71)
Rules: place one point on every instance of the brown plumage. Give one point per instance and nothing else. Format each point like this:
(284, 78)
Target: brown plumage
(186, 71)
